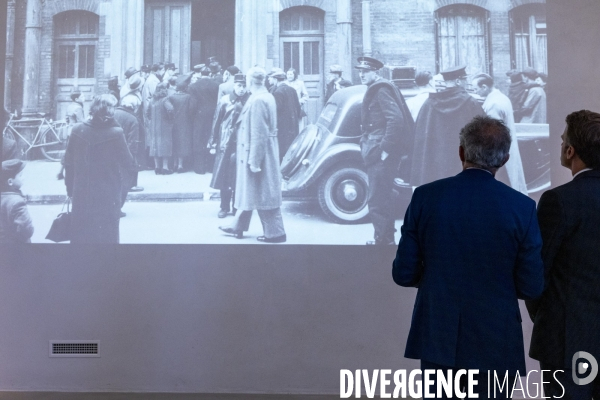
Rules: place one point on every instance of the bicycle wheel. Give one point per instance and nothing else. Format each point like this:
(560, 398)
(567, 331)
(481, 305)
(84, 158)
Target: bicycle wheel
(54, 142)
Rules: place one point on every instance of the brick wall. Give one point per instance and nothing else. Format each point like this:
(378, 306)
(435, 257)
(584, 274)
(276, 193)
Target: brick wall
(330, 43)
(357, 41)
(500, 34)
(19, 55)
(403, 33)
(46, 89)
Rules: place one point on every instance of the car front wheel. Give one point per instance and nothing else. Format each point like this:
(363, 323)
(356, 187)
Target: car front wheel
(343, 195)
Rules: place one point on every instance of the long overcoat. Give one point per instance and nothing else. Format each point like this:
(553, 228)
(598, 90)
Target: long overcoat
(204, 92)
(437, 129)
(534, 108)
(288, 116)
(184, 108)
(160, 118)
(257, 146)
(131, 128)
(499, 106)
(225, 136)
(147, 98)
(96, 162)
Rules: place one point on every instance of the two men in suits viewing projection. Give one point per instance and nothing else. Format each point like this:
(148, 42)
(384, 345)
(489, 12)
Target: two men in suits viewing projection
(473, 247)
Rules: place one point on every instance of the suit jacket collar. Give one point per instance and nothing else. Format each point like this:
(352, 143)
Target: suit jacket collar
(594, 173)
(477, 173)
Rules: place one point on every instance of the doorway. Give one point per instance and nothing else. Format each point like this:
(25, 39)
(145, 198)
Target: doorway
(213, 31)
(301, 48)
(76, 38)
(188, 32)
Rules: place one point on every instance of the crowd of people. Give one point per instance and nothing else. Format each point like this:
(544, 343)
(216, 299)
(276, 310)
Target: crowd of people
(173, 123)
(473, 247)
(205, 121)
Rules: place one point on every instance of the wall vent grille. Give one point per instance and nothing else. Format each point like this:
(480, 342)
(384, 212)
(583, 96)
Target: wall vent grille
(74, 348)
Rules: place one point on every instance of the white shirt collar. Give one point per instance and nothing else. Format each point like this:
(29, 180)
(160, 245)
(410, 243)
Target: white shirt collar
(583, 170)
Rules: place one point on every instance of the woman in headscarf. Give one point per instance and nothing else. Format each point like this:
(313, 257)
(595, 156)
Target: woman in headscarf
(160, 117)
(96, 162)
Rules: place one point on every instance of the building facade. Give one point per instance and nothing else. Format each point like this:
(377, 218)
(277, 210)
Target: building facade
(53, 45)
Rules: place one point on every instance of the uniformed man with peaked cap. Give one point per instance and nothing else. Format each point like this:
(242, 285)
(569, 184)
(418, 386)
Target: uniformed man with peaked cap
(437, 128)
(387, 128)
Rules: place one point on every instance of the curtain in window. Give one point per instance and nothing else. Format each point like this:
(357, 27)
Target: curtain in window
(522, 51)
(529, 38)
(447, 42)
(462, 40)
(542, 54)
(473, 44)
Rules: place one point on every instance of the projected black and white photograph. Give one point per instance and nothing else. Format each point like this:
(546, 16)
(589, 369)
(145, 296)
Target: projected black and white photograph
(242, 121)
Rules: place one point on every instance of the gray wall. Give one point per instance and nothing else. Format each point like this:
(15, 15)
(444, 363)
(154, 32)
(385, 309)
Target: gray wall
(249, 319)
(573, 59)
(200, 318)
(253, 319)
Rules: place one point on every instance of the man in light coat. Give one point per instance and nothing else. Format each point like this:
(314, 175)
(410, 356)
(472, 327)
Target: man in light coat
(153, 79)
(534, 108)
(499, 106)
(258, 182)
(130, 75)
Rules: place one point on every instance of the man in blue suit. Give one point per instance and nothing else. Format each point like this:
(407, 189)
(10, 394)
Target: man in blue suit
(472, 246)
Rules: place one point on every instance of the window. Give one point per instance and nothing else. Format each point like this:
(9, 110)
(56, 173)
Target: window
(304, 20)
(301, 30)
(311, 60)
(463, 38)
(77, 24)
(529, 44)
(76, 34)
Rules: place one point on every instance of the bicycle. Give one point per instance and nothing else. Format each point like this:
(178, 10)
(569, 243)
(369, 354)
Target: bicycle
(50, 137)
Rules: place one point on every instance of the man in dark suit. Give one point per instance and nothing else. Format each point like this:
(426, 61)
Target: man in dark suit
(387, 129)
(472, 246)
(288, 110)
(336, 82)
(205, 92)
(128, 121)
(567, 316)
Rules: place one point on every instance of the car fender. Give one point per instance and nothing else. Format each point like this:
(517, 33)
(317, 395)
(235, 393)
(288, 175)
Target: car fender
(343, 153)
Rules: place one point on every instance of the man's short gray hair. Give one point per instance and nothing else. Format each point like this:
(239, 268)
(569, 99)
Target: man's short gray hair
(486, 142)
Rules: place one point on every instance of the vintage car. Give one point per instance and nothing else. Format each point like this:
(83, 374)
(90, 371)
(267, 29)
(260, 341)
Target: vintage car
(325, 160)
